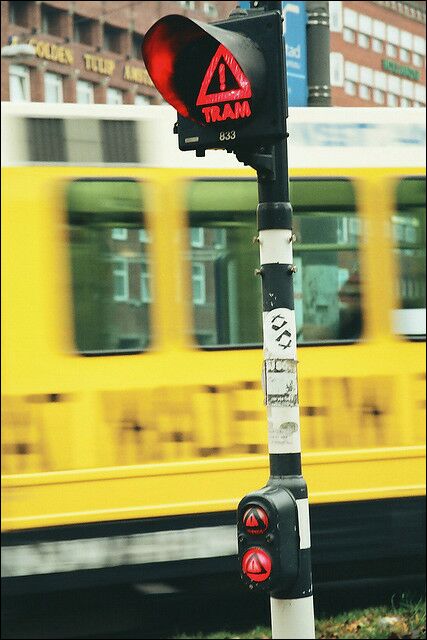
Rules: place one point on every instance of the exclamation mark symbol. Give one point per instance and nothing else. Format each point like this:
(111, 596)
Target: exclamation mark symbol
(221, 71)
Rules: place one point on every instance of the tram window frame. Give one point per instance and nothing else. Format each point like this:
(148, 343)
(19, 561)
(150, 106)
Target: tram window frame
(408, 320)
(108, 321)
(354, 228)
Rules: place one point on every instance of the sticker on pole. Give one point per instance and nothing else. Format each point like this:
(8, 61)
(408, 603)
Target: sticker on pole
(256, 564)
(255, 520)
(224, 82)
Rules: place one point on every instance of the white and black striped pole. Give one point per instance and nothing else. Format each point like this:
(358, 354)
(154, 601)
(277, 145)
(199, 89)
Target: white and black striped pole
(267, 545)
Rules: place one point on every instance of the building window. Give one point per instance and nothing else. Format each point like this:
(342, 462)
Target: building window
(336, 63)
(137, 40)
(119, 233)
(391, 50)
(120, 280)
(144, 236)
(417, 59)
(188, 5)
(142, 100)
(53, 87)
(197, 237)
(199, 283)
(114, 96)
(19, 83)
(349, 35)
(404, 102)
(377, 45)
(51, 20)
(145, 283)
(210, 10)
(363, 40)
(364, 92)
(378, 96)
(85, 92)
(404, 55)
(112, 39)
(82, 29)
(18, 13)
(350, 87)
(335, 15)
(392, 100)
(380, 80)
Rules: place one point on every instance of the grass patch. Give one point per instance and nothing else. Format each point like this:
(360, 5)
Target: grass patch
(404, 620)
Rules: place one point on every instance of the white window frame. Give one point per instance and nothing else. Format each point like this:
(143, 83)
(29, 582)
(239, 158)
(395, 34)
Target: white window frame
(349, 35)
(117, 93)
(391, 50)
(350, 18)
(364, 92)
(141, 99)
(55, 81)
(85, 88)
(404, 55)
(417, 59)
(198, 279)
(377, 45)
(379, 30)
(378, 96)
(335, 16)
(336, 65)
(351, 71)
(380, 80)
(392, 100)
(197, 237)
(188, 5)
(23, 74)
(363, 40)
(121, 270)
(350, 87)
(210, 9)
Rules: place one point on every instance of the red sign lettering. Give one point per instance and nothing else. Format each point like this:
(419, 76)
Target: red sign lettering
(228, 112)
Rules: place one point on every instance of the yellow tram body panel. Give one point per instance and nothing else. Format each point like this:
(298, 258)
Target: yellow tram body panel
(73, 447)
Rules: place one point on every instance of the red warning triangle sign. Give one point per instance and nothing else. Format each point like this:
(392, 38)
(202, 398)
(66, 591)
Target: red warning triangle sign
(223, 57)
(254, 564)
(251, 521)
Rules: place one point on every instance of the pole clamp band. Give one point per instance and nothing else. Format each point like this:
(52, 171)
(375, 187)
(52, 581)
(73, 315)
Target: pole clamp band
(274, 215)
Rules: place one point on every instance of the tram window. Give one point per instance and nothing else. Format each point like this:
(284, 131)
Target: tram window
(110, 267)
(326, 285)
(408, 224)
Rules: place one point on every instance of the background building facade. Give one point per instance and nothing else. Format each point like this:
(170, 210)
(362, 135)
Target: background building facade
(378, 53)
(87, 52)
(90, 52)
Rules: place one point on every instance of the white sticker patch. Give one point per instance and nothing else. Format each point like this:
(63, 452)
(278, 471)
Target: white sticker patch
(279, 333)
(280, 380)
(283, 430)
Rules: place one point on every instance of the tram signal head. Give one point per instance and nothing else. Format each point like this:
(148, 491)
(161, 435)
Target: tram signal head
(268, 539)
(226, 80)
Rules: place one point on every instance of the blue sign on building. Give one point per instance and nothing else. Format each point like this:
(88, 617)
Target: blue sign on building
(295, 21)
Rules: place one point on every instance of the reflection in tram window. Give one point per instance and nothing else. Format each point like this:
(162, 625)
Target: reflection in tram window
(327, 281)
(110, 266)
(408, 224)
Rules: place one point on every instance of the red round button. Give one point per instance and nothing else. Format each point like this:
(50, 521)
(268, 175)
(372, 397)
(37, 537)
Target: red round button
(255, 520)
(256, 564)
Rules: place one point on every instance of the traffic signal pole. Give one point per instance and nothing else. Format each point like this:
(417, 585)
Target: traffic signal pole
(292, 610)
(227, 81)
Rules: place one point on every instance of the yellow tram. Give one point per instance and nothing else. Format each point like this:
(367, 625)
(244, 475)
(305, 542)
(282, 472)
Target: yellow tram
(132, 409)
